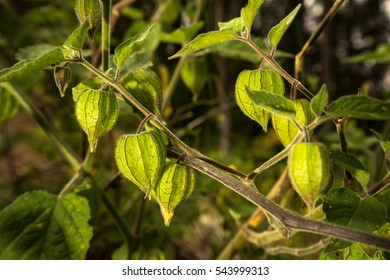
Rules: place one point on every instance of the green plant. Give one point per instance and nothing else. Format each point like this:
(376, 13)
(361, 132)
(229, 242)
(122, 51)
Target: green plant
(350, 219)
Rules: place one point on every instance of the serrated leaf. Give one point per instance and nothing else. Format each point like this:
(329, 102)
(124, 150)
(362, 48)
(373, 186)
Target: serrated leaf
(9, 106)
(237, 24)
(369, 215)
(183, 34)
(353, 165)
(206, 40)
(130, 46)
(76, 40)
(319, 101)
(340, 205)
(275, 104)
(194, 75)
(140, 158)
(360, 107)
(39, 225)
(96, 112)
(276, 33)
(174, 186)
(146, 87)
(27, 66)
(248, 13)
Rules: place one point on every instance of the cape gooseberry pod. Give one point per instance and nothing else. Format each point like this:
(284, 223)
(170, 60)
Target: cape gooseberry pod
(175, 185)
(91, 10)
(96, 112)
(309, 170)
(260, 79)
(141, 158)
(286, 129)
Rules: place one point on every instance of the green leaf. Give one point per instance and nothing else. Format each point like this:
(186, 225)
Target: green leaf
(206, 40)
(183, 34)
(276, 33)
(340, 205)
(237, 24)
(276, 104)
(146, 87)
(76, 40)
(369, 215)
(353, 165)
(319, 101)
(96, 112)
(89, 191)
(385, 144)
(27, 66)
(248, 13)
(9, 106)
(39, 225)
(380, 55)
(130, 46)
(259, 79)
(194, 75)
(360, 107)
(34, 51)
(356, 252)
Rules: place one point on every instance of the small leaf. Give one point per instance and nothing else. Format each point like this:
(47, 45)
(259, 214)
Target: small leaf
(27, 66)
(380, 55)
(259, 79)
(76, 40)
(248, 13)
(340, 205)
(9, 106)
(183, 34)
(130, 46)
(140, 158)
(62, 77)
(276, 104)
(360, 107)
(96, 112)
(39, 225)
(146, 87)
(276, 33)
(369, 215)
(174, 186)
(194, 75)
(206, 40)
(237, 24)
(319, 101)
(353, 165)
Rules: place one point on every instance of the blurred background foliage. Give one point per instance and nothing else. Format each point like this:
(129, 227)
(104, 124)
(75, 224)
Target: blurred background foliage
(353, 53)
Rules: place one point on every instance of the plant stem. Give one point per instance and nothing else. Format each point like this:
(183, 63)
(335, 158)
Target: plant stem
(289, 219)
(314, 36)
(34, 113)
(106, 34)
(294, 82)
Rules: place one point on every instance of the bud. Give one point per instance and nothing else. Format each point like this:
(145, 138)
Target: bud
(62, 76)
(286, 129)
(140, 158)
(96, 112)
(91, 10)
(175, 185)
(309, 170)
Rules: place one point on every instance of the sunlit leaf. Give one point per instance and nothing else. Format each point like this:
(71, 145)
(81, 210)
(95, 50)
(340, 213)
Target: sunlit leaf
(237, 24)
(276, 33)
(360, 107)
(248, 13)
(206, 40)
(194, 75)
(130, 46)
(26, 66)
(353, 165)
(319, 101)
(39, 225)
(183, 34)
(76, 40)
